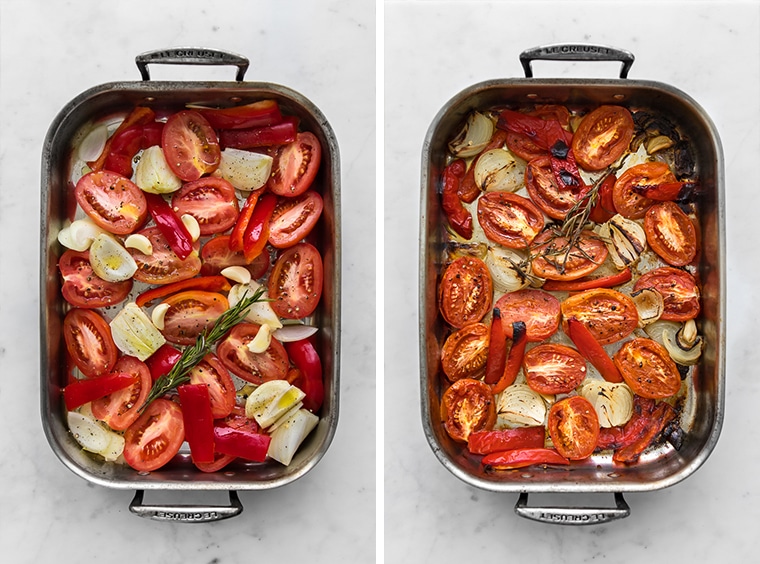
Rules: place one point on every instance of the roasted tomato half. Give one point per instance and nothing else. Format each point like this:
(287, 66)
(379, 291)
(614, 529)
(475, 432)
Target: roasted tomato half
(553, 369)
(163, 266)
(542, 186)
(671, 233)
(121, 408)
(627, 202)
(89, 342)
(467, 406)
(648, 369)
(83, 288)
(466, 291)
(295, 284)
(190, 313)
(211, 201)
(295, 165)
(190, 145)
(509, 219)
(539, 310)
(557, 259)
(155, 437)
(221, 389)
(678, 289)
(113, 202)
(294, 218)
(256, 368)
(602, 137)
(465, 352)
(608, 314)
(573, 427)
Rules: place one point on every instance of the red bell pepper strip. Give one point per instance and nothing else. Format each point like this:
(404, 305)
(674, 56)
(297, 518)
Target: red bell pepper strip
(80, 392)
(660, 417)
(306, 359)
(514, 358)
(199, 422)
(522, 457)
(257, 114)
(588, 283)
(486, 442)
(128, 142)
(241, 443)
(236, 237)
(543, 133)
(565, 168)
(139, 116)
(266, 136)
(667, 191)
(590, 348)
(214, 283)
(604, 207)
(497, 350)
(170, 225)
(257, 231)
(162, 361)
(459, 218)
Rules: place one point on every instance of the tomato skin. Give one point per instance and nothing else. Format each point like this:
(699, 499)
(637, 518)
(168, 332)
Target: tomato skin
(89, 342)
(465, 352)
(604, 208)
(467, 406)
(602, 137)
(113, 202)
(670, 233)
(553, 369)
(554, 262)
(295, 284)
(509, 219)
(211, 201)
(295, 165)
(573, 427)
(190, 145)
(216, 256)
(214, 375)
(163, 266)
(459, 217)
(155, 437)
(191, 313)
(120, 409)
(648, 369)
(465, 291)
(521, 145)
(486, 442)
(678, 289)
(83, 288)
(256, 368)
(627, 201)
(553, 200)
(294, 218)
(539, 310)
(608, 314)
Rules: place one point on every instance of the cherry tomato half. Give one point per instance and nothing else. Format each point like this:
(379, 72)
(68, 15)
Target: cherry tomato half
(221, 389)
(294, 218)
(678, 289)
(89, 342)
(295, 165)
(120, 409)
(648, 369)
(257, 368)
(465, 352)
(573, 427)
(163, 266)
(155, 437)
(295, 284)
(539, 310)
(553, 369)
(627, 201)
(466, 291)
(211, 201)
(608, 314)
(190, 145)
(671, 233)
(556, 259)
(113, 202)
(83, 288)
(190, 313)
(602, 137)
(509, 219)
(467, 406)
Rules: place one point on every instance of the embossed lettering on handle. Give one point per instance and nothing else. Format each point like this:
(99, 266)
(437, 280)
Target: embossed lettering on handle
(191, 56)
(186, 513)
(576, 52)
(573, 515)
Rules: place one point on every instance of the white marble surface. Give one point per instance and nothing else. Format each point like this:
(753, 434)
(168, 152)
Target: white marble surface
(433, 50)
(52, 51)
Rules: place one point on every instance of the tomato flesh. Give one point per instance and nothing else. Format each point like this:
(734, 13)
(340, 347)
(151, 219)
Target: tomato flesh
(467, 406)
(670, 233)
(155, 437)
(89, 342)
(190, 145)
(509, 219)
(257, 368)
(679, 291)
(295, 165)
(120, 409)
(539, 310)
(113, 202)
(465, 292)
(465, 352)
(294, 218)
(191, 313)
(573, 427)
(83, 288)
(221, 389)
(163, 266)
(553, 369)
(608, 314)
(211, 201)
(295, 284)
(602, 137)
(648, 369)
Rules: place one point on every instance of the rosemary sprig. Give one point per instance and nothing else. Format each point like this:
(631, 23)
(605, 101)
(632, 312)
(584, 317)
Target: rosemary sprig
(193, 354)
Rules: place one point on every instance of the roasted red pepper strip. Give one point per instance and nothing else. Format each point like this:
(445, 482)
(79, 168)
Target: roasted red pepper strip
(126, 144)
(139, 116)
(497, 350)
(667, 191)
(543, 133)
(588, 283)
(216, 283)
(257, 114)
(514, 358)
(522, 457)
(257, 230)
(199, 422)
(241, 443)
(459, 218)
(486, 442)
(564, 166)
(660, 417)
(85, 390)
(266, 136)
(592, 350)
(306, 359)
(162, 361)
(604, 207)
(170, 225)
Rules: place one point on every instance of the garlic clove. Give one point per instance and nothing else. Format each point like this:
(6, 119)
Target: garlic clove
(140, 242)
(192, 226)
(625, 240)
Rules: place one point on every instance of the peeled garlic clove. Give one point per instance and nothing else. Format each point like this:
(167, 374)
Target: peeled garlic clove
(658, 143)
(520, 406)
(455, 249)
(612, 402)
(191, 224)
(140, 242)
(260, 312)
(158, 314)
(237, 274)
(507, 272)
(261, 341)
(497, 170)
(625, 240)
(473, 137)
(649, 304)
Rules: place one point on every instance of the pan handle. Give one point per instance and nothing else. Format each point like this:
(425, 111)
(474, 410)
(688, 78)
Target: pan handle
(186, 513)
(573, 515)
(191, 56)
(576, 52)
